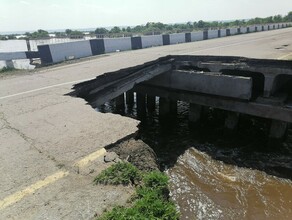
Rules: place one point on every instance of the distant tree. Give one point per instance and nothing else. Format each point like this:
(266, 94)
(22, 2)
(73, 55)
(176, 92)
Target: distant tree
(236, 22)
(158, 27)
(151, 30)
(258, 20)
(138, 29)
(3, 37)
(201, 24)
(278, 18)
(11, 37)
(226, 24)
(101, 31)
(74, 33)
(60, 34)
(169, 27)
(68, 31)
(38, 34)
(115, 30)
(288, 17)
(213, 24)
(189, 24)
(268, 20)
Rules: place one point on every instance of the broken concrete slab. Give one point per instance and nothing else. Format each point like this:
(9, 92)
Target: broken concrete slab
(205, 82)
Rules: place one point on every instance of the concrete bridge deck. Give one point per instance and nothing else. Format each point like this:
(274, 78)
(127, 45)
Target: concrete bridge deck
(45, 135)
(258, 87)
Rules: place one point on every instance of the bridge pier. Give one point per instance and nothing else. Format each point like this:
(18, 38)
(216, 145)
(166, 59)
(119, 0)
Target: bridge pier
(130, 97)
(173, 107)
(151, 103)
(278, 129)
(205, 81)
(231, 121)
(120, 101)
(141, 104)
(9, 64)
(164, 107)
(195, 112)
(167, 107)
(269, 85)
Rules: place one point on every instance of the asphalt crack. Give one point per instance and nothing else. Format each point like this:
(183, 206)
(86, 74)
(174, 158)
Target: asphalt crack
(30, 141)
(7, 125)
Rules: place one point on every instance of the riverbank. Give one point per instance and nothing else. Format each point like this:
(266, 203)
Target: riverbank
(214, 173)
(151, 198)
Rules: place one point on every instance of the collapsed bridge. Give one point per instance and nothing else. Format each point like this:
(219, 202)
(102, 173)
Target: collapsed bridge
(257, 87)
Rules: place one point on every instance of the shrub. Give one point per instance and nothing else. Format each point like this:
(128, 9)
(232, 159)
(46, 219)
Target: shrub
(7, 69)
(119, 173)
(155, 180)
(150, 202)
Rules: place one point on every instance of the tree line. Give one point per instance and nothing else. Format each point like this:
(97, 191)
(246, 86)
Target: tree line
(157, 28)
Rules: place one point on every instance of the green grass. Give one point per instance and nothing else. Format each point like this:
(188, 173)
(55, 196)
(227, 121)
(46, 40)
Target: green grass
(151, 200)
(7, 69)
(119, 173)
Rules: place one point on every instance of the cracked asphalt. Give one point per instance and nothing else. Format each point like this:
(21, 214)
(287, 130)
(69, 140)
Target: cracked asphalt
(44, 132)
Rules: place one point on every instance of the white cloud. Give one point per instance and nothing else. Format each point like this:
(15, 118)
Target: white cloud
(55, 6)
(25, 2)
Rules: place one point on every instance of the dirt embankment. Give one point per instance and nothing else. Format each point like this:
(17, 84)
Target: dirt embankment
(136, 152)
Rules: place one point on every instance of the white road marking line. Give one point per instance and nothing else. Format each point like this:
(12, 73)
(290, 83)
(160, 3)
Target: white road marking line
(44, 88)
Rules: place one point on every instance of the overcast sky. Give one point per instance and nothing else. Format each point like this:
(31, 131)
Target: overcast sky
(22, 15)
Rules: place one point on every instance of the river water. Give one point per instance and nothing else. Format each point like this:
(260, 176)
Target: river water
(215, 174)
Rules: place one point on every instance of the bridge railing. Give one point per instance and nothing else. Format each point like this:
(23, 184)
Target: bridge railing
(55, 53)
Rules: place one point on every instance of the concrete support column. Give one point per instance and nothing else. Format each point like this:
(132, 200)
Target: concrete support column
(173, 107)
(195, 112)
(130, 97)
(9, 64)
(28, 49)
(141, 104)
(205, 112)
(231, 121)
(151, 103)
(278, 129)
(120, 101)
(164, 107)
(269, 83)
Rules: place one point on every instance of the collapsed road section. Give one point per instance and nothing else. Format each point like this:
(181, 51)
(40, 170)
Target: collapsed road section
(257, 87)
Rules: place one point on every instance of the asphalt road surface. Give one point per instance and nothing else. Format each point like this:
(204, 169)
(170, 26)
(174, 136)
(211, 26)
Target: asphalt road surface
(51, 144)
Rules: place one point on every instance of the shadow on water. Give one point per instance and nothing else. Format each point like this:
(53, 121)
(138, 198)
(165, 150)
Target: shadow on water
(248, 146)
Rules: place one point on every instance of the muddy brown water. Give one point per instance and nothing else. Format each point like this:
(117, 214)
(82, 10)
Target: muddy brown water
(215, 174)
